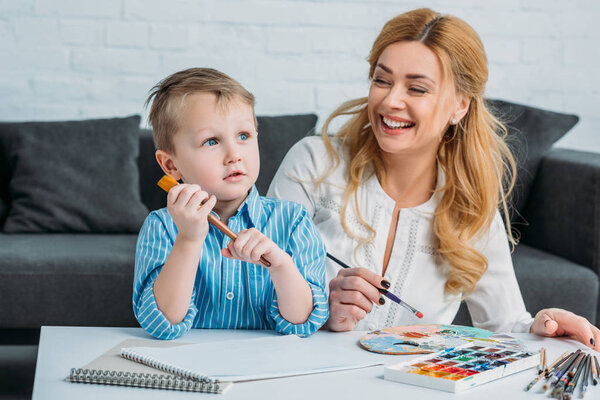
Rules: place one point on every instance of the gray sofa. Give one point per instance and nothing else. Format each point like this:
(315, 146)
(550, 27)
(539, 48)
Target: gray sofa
(73, 275)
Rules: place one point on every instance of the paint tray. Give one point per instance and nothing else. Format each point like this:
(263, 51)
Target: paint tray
(462, 367)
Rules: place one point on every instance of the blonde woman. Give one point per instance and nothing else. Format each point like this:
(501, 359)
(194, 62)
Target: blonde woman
(408, 192)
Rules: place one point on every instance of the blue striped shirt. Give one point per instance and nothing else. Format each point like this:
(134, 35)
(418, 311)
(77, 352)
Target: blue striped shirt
(232, 294)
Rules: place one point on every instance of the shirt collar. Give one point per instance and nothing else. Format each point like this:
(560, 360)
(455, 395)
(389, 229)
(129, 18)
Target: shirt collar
(252, 207)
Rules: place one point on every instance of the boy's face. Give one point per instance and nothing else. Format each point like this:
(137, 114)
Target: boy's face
(216, 147)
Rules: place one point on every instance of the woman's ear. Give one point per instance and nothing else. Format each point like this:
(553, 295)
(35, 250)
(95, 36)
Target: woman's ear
(463, 101)
(167, 163)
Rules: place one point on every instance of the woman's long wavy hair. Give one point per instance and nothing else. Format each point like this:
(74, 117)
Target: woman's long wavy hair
(478, 166)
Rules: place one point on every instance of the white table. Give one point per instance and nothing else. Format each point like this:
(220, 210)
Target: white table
(63, 348)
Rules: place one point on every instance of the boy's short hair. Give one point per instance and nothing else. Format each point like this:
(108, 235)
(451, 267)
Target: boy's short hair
(168, 96)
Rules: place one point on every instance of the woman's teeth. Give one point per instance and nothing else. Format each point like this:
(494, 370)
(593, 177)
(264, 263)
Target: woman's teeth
(390, 123)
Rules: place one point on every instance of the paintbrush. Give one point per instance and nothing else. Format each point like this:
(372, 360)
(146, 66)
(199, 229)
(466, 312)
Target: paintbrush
(384, 292)
(595, 370)
(586, 374)
(575, 378)
(541, 370)
(567, 376)
(542, 366)
(560, 370)
(167, 183)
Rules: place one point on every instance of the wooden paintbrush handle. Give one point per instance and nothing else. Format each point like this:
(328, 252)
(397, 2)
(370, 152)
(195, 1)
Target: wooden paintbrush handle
(167, 183)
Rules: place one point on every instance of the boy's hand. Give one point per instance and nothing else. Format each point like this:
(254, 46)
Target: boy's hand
(251, 244)
(183, 204)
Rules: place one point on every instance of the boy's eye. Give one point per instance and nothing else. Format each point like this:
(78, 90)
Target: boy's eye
(210, 142)
(243, 136)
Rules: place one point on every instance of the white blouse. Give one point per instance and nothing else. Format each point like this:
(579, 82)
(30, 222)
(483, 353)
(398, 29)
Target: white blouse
(416, 273)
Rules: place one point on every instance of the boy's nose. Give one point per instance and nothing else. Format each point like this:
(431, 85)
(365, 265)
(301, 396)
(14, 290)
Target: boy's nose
(233, 155)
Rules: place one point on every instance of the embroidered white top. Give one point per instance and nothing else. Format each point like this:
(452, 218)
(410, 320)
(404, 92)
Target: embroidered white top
(417, 275)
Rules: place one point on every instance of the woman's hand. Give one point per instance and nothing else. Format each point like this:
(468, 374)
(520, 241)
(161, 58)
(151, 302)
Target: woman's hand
(559, 322)
(351, 296)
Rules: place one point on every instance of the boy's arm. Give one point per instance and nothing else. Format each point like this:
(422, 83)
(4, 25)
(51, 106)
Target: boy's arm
(165, 269)
(175, 283)
(293, 292)
(299, 304)
(153, 246)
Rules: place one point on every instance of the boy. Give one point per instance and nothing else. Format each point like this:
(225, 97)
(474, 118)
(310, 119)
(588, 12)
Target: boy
(187, 273)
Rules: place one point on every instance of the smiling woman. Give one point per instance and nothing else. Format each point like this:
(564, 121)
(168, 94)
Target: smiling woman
(411, 186)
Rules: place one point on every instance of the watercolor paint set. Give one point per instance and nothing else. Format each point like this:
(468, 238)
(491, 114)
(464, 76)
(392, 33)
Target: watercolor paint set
(463, 367)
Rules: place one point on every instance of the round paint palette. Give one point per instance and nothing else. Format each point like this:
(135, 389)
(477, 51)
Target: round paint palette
(419, 339)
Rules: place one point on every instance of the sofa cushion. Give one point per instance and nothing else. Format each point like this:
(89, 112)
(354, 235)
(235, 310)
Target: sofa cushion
(66, 279)
(73, 176)
(276, 134)
(531, 133)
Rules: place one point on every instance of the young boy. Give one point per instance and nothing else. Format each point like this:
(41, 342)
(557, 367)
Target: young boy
(187, 273)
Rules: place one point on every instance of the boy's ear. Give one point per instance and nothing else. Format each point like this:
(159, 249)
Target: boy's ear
(165, 160)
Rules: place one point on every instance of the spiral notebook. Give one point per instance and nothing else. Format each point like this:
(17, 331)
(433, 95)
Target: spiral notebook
(112, 369)
(252, 359)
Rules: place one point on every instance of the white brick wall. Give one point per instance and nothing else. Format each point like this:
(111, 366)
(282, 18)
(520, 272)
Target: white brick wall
(82, 58)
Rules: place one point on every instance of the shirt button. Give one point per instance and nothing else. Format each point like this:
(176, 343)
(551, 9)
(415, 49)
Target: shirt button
(229, 295)
(371, 326)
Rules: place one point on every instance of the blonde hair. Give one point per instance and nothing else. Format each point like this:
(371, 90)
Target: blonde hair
(168, 96)
(478, 166)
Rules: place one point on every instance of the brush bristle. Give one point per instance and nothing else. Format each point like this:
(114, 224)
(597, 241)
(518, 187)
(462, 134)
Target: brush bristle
(167, 183)
(545, 386)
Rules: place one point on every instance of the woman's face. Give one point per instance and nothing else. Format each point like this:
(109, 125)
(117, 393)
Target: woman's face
(409, 105)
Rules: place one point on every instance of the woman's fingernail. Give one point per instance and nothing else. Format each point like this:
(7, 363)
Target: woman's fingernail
(385, 284)
(545, 322)
(592, 342)
(381, 301)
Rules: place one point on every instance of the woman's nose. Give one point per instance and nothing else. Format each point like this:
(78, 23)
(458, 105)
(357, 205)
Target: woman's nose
(394, 98)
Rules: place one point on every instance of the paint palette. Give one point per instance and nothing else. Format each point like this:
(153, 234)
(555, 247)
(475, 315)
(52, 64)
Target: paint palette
(463, 367)
(429, 338)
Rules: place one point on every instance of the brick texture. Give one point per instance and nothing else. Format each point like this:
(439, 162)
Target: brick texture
(80, 59)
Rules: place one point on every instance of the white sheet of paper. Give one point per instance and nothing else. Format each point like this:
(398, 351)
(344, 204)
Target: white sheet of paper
(260, 358)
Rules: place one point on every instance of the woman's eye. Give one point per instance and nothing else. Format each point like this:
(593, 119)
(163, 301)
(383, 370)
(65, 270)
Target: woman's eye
(243, 136)
(210, 142)
(379, 81)
(418, 90)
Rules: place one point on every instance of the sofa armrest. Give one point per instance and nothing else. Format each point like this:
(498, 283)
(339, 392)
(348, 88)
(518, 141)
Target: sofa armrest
(563, 208)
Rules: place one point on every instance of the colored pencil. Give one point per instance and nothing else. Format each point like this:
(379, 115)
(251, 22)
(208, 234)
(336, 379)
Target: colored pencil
(384, 292)
(166, 183)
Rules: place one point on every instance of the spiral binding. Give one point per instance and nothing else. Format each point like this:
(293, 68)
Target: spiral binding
(181, 372)
(155, 381)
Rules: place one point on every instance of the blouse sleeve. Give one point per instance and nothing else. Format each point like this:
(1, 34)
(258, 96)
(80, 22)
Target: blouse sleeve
(153, 247)
(497, 304)
(308, 253)
(300, 167)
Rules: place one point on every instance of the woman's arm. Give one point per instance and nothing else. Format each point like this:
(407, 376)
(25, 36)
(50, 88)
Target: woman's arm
(497, 303)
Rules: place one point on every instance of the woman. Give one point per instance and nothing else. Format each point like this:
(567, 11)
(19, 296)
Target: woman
(408, 191)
